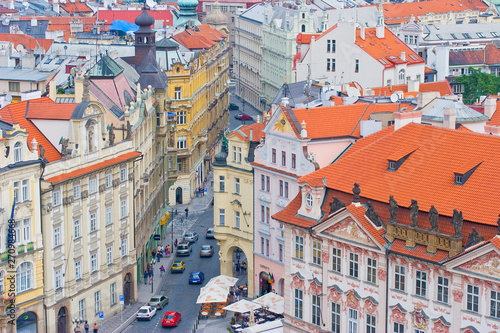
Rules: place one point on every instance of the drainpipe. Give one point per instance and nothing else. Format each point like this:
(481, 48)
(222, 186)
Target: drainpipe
(41, 229)
(387, 290)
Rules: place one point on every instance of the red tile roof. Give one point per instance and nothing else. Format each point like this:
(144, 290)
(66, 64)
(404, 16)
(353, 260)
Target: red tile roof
(495, 119)
(30, 43)
(339, 121)
(47, 110)
(490, 55)
(76, 7)
(359, 213)
(303, 38)
(387, 50)
(427, 175)
(443, 87)
(419, 251)
(130, 15)
(395, 13)
(257, 133)
(15, 113)
(86, 170)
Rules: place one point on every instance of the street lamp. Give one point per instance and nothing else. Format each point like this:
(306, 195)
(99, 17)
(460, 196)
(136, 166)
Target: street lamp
(77, 321)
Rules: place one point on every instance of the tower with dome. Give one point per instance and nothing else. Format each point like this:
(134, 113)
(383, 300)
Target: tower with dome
(186, 13)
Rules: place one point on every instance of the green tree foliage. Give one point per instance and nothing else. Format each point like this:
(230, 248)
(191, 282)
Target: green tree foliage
(478, 84)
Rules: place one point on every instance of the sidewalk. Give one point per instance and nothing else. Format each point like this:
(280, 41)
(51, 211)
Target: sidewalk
(115, 324)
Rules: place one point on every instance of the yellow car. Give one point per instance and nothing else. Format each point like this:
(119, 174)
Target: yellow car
(178, 266)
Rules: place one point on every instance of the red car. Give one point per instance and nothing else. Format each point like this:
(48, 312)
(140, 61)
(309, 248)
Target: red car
(171, 318)
(242, 116)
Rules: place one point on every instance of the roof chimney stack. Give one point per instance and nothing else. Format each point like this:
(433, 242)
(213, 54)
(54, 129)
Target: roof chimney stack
(449, 118)
(285, 101)
(490, 106)
(303, 132)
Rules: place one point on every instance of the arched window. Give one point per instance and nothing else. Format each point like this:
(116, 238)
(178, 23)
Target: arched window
(145, 40)
(401, 76)
(18, 152)
(303, 15)
(139, 40)
(303, 28)
(24, 277)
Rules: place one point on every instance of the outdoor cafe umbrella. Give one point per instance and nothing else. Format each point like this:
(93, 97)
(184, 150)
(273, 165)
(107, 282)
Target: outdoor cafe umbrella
(223, 280)
(215, 289)
(272, 302)
(212, 297)
(243, 306)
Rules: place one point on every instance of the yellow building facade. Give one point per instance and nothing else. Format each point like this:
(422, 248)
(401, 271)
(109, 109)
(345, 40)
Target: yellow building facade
(233, 199)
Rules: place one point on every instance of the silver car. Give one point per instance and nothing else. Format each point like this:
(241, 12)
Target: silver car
(184, 249)
(146, 313)
(207, 251)
(191, 237)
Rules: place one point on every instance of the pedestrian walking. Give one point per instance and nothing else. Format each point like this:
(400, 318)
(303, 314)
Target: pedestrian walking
(96, 329)
(237, 268)
(197, 192)
(146, 275)
(187, 212)
(244, 266)
(152, 275)
(175, 243)
(86, 327)
(168, 249)
(78, 329)
(158, 256)
(234, 265)
(149, 275)
(211, 181)
(162, 270)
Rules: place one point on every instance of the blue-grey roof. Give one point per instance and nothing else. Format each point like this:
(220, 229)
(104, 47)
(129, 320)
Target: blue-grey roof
(91, 35)
(24, 74)
(476, 31)
(400, 308)
(434, 111)
(296, 93)
(5, 126)
(256, 12)
(79, 110)
(25, 26)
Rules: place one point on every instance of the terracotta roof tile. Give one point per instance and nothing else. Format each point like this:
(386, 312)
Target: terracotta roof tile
(15, 113)
(257, 132)
(359, 213)
(76, 7)
(496, 241)
(443, 87)
(303, 38)
(92, 168)
(387, 50)
(288, 214)
(60, 111)
(339, 121)
(30, 43)
(427, 174)
(419, 251)
(463, 128)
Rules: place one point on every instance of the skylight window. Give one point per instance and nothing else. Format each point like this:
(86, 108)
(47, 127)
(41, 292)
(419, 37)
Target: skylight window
(406, 17)
(439, 36)
(382, 60)
(398, 18)
(494, 34)
(454, 37)
(466, 35)
(480, 35)
(414, 57)
(389, 18)
(47, 61)
(59, 61)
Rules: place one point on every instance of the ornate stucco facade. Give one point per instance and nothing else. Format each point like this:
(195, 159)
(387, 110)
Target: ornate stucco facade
(21, 268)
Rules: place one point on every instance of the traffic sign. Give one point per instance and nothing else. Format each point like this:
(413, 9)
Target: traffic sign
(101, 315)
(122, 299)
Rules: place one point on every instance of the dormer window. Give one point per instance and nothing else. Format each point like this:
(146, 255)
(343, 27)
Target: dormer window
(461, 177)
(392, 166)
(309, 200)
(399, 157)
(18, 152)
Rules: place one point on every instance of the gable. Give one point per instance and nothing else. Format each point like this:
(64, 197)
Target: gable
(349, 229)
(282, 126)
(487, 265)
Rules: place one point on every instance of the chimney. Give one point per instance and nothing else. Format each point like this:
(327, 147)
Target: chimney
(250, 138)
(258, 119)
(380, 29)
(449, 118)
(55, 6)
(490, 106)
(52, 90)
(413, 86)
(403, 118)
(403, 56)
(362, 32)
(424, 98)
(303, 132)
(285, 101)
(78, 88)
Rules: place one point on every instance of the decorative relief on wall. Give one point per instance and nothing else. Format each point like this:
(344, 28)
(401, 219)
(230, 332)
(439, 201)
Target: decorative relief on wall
(297, 282)
(397, 316)
(418, 318)
(370, 307)
(488, 264)
(325, 256)
(440, 327)
(314, 288)
(381, 274)
(457, 295)
(349, 229)
(334, 295)
(352, 300)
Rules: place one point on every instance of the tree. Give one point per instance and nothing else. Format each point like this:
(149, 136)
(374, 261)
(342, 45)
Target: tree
(478, 84)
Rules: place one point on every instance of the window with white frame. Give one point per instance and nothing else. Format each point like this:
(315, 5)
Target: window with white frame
(401, 76)
(399, 328)
(124, 247)
(123, 174)
(26, 230)
(222, 217)
(18, 152)
(181, 118)
(280, 252)
(112, 294)
(93, 222)
(298, 303)
(109, 255)
(81, 309)
(222, 184)
(56, 197)
(262, 245)
(267, 247)
(472, 298)
(316, 250)
(371, 270)
(58, 278)
(17, 192)
(265, 213)
(237, 220)
(299, 247)
(2, 281)
(335, 317)
(123, 208)
(399, 277)
(93, 262)
(370, 323)
(239, 154)
(109, 215)
(97, 302)
(57, 236)
(76, 191)
(93, 185)
(236, 185)
(273, 155)
(182, 142)
(442, 289)
(353, 265)
(421, 283)
(78, 270)
(283, 188)
(234, 153)
(178, 93)
(316, 309)
(352, 321)
(24, 277)
(18, 232)
(283, 158)
(109, 180)
(337, 260)
(25, 190)
(265, 183)
(495, 304)
(78, 228)
(294, 161)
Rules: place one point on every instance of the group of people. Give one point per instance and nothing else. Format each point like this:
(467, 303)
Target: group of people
(158, 253)
(86, 327)
(148, 274)
(240, 268)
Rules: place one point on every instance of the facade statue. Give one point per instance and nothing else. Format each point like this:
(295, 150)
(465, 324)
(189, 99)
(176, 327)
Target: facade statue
(42, 151)
(129, 131)
(355, 193)
(474, 238)
(393, 209)
(433, 218)
(336, 204)
(111, 135)
(457, 220)
(64, 147)
(90, 134)
(414, 213)
(498, 222)
(86, 94)
(372, 214)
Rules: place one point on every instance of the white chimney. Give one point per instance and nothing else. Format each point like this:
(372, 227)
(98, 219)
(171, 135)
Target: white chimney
(34, 22)
(34, 145)
(285, 101)
(424, 98)
(449, 118)
(490, 106)
(362, 32)
(403, 118)
(303, 132)
(55, 6)
(413, 86)
(403, 56)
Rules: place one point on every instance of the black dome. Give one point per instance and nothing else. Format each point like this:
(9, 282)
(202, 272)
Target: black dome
(144, 20)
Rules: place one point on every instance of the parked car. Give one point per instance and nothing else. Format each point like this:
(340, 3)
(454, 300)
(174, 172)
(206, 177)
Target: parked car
(207, 251)
(196, 277)
(210, 233)
(158, 301)
(184, 249)
(171, 318)
(191, 237)
(233, 106)
(178, 266)
(146, 313)
(243, 116)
